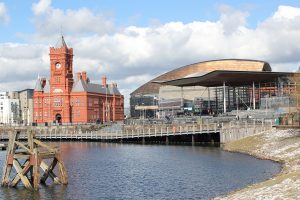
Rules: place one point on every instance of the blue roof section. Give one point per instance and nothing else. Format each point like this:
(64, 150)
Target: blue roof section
(38, 86)
(79, 86)
(47, 87)
(82, 86)
(114, 90)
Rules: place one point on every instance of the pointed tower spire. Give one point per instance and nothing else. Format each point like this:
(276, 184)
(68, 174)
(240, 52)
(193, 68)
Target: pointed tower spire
(61, 43)
(38, 86)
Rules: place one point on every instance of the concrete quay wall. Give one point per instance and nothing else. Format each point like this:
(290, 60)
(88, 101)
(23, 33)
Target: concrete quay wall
(233, 134)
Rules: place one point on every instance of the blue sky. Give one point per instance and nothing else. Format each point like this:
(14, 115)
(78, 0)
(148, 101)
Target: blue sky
(139, 12)
(133, 41)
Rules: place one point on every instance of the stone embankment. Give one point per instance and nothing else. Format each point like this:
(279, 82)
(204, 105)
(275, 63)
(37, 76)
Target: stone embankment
(281, 146)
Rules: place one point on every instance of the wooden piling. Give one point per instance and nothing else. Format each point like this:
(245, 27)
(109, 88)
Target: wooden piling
(34, 152)
(193, 140)
(167, 140)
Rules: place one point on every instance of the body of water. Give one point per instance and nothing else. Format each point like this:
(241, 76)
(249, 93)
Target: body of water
(126, 171)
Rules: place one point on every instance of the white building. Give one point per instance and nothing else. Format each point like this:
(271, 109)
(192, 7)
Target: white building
(9, 108)
(26, 106)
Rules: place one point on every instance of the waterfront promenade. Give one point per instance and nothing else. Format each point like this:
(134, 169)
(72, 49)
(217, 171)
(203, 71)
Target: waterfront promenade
(209, 132)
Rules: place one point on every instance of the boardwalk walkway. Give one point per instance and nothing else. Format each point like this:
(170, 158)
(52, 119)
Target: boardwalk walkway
(228, 132)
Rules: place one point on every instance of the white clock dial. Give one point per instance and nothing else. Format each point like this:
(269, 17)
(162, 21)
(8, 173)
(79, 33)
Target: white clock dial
(58, 65)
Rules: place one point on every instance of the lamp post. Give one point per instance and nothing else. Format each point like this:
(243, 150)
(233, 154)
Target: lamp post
(27, 117)
(49, 102)
(106, 103)
(24, 115)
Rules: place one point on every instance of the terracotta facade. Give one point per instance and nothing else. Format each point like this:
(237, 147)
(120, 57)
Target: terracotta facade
(67, 99)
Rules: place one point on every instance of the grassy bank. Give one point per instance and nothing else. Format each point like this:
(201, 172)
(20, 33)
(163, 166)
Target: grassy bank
(279, 145)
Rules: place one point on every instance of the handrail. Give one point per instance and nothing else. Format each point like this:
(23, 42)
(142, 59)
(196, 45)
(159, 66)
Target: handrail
(147, 131)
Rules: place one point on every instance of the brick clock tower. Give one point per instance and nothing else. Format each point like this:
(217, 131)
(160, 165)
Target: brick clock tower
(61, 79)
(61, 99)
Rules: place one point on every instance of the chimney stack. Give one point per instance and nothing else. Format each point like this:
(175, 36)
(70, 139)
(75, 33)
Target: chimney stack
(84, 76)
(103, 81)
(43, 82)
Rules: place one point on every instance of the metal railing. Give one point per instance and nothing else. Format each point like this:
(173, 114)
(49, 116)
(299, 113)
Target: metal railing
(126, 132)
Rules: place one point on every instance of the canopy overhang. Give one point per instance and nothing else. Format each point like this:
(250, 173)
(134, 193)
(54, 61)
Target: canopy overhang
(231, 78)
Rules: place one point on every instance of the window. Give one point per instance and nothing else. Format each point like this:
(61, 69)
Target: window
(40, 102)
(90, 102)
(57, 79)
(45, 101)
(76, 113)
(77, 101)
(57, 102)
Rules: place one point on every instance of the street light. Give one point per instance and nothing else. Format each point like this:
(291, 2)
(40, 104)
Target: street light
(106, 103)
(143, 111)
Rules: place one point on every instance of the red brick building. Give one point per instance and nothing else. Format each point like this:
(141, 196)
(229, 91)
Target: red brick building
(65, 100)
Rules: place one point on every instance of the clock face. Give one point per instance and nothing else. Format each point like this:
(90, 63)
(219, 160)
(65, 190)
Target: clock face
(58, 65)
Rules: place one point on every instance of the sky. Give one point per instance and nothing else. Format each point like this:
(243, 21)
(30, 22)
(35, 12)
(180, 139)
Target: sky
(133, 41)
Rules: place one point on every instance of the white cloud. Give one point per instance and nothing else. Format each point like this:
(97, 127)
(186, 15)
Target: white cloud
(16, 85)
(151, 50)
(288, 66)
(232, 19)
(138, 79)
(41, 7)
(286, 12)
(22, 62)
(4, 17)
(49, 21)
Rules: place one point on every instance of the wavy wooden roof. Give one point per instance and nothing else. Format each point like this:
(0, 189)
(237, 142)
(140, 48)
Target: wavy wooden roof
(230, 78)
(206, 66)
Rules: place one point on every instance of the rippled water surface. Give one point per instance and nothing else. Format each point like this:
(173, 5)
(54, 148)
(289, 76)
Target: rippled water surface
(121, 171)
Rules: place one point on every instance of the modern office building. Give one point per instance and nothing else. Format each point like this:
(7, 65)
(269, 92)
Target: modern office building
(247, 90)
(9, 108)
(204, 99)
(16, 107)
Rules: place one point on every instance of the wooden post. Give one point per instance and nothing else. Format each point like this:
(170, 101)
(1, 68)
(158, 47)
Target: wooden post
(62, 169)
(193, 140)
(29, 172)
(36, 171)
(9, 158)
